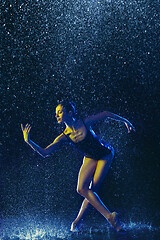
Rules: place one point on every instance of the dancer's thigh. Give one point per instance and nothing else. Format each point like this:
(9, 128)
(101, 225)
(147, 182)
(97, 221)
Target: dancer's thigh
(86, 173)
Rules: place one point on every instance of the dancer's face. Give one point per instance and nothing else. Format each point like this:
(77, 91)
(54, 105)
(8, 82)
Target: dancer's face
(61, 114)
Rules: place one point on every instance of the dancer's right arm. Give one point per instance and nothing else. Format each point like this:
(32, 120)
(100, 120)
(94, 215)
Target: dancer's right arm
(44, 152)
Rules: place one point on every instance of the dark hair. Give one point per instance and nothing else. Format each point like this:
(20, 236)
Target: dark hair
(69, 106)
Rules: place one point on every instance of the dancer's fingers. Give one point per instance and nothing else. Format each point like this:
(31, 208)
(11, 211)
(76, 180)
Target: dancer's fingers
(22, 127)
(27, 126)
(29, 129)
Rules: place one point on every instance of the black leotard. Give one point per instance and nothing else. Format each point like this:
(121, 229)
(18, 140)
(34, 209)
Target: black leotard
(91, 146)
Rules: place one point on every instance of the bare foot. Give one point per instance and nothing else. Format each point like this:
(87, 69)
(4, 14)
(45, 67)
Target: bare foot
(74, 227)
(114, 221)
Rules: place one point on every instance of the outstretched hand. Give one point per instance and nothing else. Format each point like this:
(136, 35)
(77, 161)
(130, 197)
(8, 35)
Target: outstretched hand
(129, 127)
(26, 132)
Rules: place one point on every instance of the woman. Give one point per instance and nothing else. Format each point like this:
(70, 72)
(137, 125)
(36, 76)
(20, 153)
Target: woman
(97, 156)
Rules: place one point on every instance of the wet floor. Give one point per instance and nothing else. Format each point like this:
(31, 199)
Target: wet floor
(18, 228)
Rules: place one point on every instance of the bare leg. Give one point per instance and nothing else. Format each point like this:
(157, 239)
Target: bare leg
(81, 214)
(100, 173)
(84, 179)
(101, 169)
(85, 203)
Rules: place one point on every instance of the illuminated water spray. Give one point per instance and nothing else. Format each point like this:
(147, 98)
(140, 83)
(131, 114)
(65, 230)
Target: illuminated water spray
(29, 229)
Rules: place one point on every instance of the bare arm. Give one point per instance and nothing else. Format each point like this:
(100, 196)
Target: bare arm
(44, 152)
(104, 115)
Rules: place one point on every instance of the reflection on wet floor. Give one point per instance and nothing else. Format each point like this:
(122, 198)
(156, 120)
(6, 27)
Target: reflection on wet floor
(23, 229)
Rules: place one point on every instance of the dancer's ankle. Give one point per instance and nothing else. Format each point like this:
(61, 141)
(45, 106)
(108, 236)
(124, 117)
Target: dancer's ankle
(114, 221)
(109, 216)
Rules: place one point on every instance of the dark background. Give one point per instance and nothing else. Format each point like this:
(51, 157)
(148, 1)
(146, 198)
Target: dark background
(103, 55)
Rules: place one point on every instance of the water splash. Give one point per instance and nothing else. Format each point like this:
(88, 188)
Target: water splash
(32, 229)
(139, 226)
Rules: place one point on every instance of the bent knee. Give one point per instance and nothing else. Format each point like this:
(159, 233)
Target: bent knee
(82, 191)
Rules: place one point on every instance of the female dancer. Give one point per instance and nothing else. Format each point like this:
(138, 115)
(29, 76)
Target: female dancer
(97, 156)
